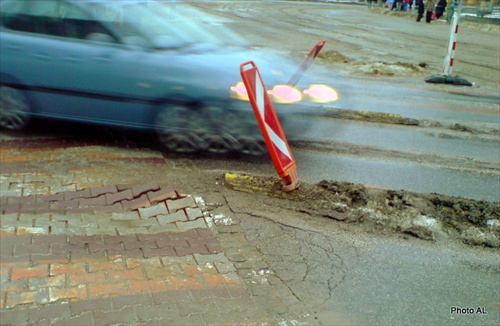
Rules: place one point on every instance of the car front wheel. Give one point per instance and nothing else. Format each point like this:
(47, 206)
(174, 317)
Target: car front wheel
(14, 109)
(208, 129)
(173, 129)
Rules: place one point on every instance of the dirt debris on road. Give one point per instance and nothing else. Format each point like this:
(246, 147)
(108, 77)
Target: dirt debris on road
(397, 119)
(380, 68)
(426, 216)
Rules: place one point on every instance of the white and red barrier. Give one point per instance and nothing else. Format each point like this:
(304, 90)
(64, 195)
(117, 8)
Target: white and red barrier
(275, 139)
(452, 44)
(446, 77)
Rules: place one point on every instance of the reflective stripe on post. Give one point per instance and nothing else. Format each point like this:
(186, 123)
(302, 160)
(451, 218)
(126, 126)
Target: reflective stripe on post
(273, 134)
(306, 63)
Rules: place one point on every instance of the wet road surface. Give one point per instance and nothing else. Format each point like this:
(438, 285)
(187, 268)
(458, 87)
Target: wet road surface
(393, 175)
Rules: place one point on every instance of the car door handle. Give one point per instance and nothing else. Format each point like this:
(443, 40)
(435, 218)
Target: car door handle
(41, 56)
(104, 58)
(72, 59)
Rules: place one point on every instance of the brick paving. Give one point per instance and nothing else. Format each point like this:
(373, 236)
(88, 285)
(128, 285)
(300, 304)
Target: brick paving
(58, 259)
(84, 243)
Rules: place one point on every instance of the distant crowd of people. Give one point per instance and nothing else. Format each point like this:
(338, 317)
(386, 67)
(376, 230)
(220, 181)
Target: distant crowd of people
(431, 9)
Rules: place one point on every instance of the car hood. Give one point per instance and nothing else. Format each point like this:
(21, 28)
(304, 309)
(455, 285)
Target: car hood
(215, 68)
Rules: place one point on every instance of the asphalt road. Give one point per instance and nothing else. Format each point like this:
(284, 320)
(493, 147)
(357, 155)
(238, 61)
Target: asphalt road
(349, 277)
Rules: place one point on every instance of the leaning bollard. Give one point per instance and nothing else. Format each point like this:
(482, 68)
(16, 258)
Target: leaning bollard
(273, 134)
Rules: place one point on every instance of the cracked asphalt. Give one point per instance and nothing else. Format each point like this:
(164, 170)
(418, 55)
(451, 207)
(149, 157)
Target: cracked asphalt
(345, 273)
(300, 258)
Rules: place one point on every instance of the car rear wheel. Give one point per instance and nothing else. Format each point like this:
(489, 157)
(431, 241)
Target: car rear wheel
(14, 108)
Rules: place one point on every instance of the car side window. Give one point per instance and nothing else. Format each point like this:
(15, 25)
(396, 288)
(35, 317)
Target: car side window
(56, 18)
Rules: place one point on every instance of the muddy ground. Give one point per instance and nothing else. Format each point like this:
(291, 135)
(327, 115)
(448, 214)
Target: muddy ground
(415, 66)
(427, 216)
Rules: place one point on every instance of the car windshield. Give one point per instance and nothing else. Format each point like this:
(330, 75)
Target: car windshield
(163, 25)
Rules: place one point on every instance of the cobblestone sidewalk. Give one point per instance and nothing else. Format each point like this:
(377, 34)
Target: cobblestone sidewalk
(78, 249)
(63, 264)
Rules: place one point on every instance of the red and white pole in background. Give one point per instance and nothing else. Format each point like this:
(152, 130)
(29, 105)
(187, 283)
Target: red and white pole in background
(452, 45)
(273, 134)
(446, 77)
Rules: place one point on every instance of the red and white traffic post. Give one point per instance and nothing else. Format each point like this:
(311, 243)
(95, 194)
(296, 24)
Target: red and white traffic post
(446, 77)
(273, 134)
(452, 44)
(306, 63)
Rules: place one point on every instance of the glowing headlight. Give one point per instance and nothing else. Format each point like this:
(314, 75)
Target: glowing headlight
(285, 94)
(321, 93)
(239, 92)
(279, 93)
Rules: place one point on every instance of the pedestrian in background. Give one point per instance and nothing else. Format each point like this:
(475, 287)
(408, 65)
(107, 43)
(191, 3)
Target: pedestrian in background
(440, 8)
(420, 8)
(396, 4)
(429, 8)
(369, 3)
(406, 5)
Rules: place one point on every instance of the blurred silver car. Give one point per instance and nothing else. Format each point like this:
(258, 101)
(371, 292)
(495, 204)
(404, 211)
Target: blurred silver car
(136, 64)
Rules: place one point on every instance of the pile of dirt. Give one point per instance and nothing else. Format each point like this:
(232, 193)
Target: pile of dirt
(427, 216)
(332, 56)
(379, 68)
(391, 69)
